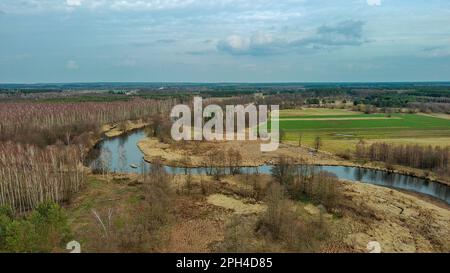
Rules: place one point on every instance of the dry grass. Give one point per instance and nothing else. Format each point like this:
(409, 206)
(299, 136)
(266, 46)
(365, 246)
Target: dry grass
(113, 216)
(339, 146)
(198, 226)
(437, 115)
(238, 206)
(433, 141)
(195, 236)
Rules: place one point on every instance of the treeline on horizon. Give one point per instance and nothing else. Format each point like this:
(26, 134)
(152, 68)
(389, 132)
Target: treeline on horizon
(432, 97)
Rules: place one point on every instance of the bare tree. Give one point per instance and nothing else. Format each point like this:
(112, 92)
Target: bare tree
(234, 160)
(300, 137)
(283, 171)
(317, 143)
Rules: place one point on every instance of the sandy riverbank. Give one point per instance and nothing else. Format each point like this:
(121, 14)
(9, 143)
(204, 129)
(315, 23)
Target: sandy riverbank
(114, 130)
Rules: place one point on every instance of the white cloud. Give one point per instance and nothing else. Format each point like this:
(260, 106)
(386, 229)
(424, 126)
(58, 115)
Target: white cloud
(72, 65)
(152, 5)
(436, 52)
(237, 43)
(73, 3)
(256, 44)
(374, 2)
(345, 33)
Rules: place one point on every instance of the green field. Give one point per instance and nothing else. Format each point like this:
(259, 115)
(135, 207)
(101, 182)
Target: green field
(317, 112)
(365, 122)
(341, 130)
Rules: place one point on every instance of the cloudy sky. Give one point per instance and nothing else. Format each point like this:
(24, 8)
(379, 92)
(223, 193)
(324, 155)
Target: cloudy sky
(224, 40)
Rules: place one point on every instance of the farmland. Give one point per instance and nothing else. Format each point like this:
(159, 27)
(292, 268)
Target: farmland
(341, 130)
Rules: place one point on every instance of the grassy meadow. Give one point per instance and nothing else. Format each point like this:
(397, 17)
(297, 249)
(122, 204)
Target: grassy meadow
(340, 130)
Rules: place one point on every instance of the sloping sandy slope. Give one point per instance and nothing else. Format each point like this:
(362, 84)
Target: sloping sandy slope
(398, 221)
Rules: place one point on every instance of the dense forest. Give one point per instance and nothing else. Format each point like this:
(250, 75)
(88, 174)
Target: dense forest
(47, 123)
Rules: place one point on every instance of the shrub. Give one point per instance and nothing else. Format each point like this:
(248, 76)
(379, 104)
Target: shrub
(284, 170)
(44, 230)
(238, 235)
(281, 224)
(275, 218)
(137, 228)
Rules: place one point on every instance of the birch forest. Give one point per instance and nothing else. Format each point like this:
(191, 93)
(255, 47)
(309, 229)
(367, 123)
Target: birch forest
(42, 146)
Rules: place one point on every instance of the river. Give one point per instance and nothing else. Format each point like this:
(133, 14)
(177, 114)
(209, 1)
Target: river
(121, 154)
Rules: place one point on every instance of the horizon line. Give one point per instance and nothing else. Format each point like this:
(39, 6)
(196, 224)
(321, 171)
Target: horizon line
(218, 82)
